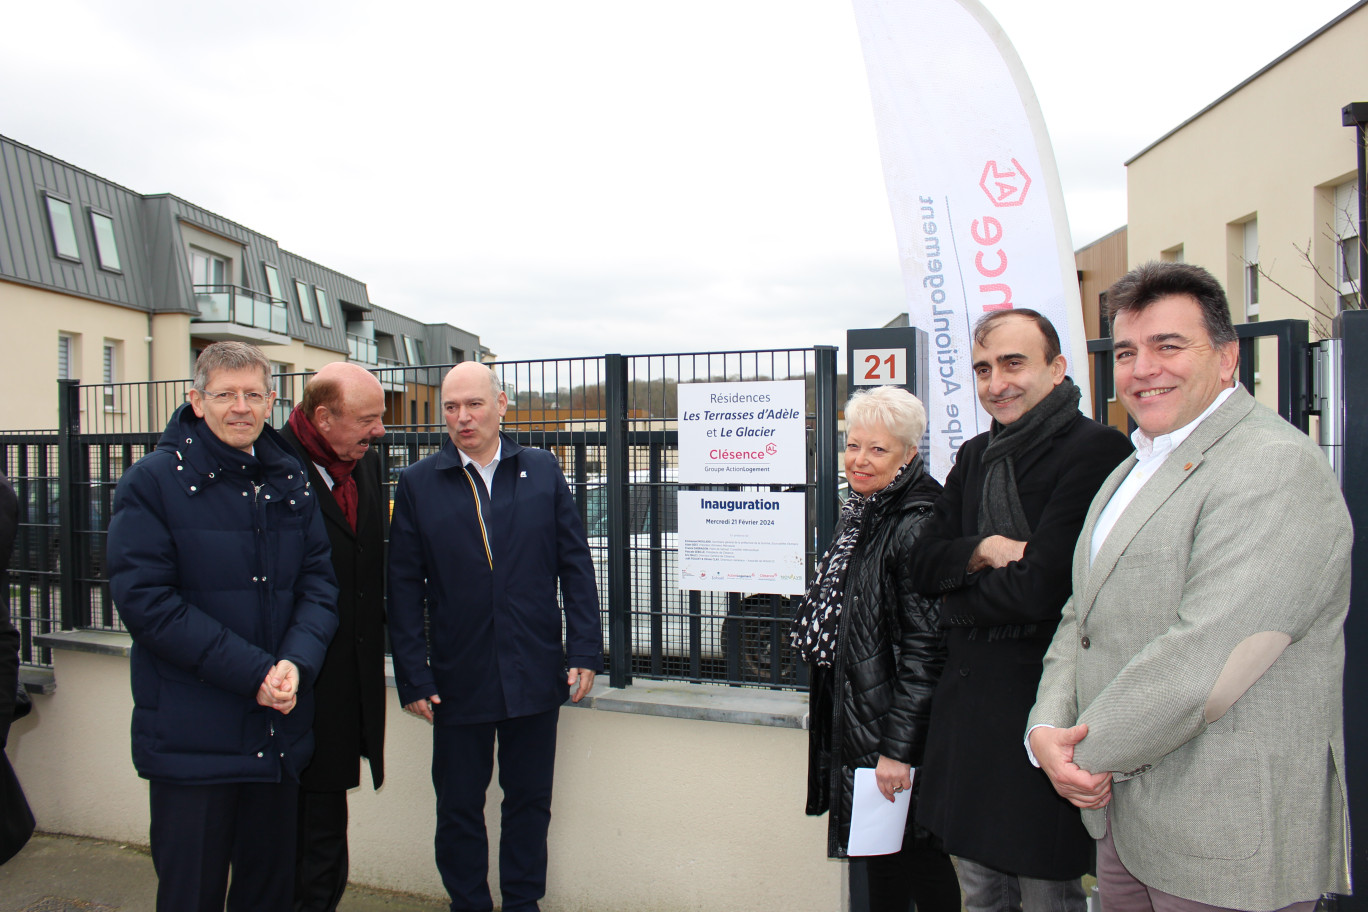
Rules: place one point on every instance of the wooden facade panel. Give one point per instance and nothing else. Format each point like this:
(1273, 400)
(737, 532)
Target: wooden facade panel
(1099, 265)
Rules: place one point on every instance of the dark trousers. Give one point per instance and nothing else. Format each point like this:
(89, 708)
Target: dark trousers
(321, 851)
(200, 831)
(919, 871)
(462, 764)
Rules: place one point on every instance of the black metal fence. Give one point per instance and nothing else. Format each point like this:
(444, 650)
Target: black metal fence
(1275, 364)
(611, 421)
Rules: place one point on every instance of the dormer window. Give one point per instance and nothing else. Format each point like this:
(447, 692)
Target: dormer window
(63, 228)
(305, 302)
(106, 247)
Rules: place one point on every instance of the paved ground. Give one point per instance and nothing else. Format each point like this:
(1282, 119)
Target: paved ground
(72, 874)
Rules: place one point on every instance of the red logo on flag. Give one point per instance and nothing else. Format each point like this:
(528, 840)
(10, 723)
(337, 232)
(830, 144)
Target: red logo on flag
(1006, 185)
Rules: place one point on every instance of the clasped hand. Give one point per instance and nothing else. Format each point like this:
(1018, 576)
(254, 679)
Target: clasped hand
(280, 689)
(1054, 751)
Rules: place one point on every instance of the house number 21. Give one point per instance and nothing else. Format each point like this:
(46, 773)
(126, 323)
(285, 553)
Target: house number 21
(880, 366)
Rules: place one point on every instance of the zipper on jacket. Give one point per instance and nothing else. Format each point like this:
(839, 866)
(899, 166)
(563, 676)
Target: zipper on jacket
(479, 516)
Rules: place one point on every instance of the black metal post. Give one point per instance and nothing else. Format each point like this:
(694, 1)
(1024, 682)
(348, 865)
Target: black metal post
(619, 539)
(1100, 353)
(655, 509)
(1351, 327)
(824, 432)
(68, 439)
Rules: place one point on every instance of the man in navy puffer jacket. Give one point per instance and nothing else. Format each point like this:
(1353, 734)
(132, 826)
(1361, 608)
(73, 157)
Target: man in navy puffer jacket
(220, 568)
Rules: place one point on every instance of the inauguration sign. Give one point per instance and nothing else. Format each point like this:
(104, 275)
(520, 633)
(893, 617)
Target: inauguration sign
(977, 205)
(742, 433)
(742, 541)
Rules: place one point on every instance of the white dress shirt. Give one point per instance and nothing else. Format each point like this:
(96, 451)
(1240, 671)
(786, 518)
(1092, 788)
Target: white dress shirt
(487, 471)
(1150, 454)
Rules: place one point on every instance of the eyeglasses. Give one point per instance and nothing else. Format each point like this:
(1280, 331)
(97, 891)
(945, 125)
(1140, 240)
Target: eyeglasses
(255, 400)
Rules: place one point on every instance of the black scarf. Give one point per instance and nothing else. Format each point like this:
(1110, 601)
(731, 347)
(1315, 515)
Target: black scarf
(1000, 510)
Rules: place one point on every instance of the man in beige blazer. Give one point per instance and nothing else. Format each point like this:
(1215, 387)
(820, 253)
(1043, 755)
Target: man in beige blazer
(1190, 702)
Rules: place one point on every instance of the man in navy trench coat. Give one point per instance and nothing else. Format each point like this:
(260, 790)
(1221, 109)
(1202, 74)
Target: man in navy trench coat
(482, 533)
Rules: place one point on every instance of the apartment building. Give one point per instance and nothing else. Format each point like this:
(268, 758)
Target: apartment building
(104, 284)
(1260, 186)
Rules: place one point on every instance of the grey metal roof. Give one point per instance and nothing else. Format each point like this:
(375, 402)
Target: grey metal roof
(154, 273)
(26, 249)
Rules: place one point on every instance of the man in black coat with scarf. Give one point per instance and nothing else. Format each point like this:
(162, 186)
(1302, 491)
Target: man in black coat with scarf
(998, 551)
(339, 416)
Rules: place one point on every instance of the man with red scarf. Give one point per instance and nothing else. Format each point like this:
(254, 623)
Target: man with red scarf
(338, 418)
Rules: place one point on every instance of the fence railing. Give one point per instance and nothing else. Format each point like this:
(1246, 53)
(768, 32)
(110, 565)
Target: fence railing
(1273, 355)
(610, 420)
(612, 423)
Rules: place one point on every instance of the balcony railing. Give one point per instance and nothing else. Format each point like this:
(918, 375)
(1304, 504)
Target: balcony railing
(362, 349)
(280, 411)
(391, 374)
(234, 304)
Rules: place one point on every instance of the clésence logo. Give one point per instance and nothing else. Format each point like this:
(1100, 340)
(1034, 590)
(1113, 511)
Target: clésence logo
(769, 450)
(1005, 185)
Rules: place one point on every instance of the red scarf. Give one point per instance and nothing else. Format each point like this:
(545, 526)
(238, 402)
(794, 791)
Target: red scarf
(321, 452)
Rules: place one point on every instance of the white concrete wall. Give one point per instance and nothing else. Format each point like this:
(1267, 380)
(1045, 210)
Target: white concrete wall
(665, 814)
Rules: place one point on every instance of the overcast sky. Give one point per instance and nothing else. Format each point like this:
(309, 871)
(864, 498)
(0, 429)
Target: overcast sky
(572, 178)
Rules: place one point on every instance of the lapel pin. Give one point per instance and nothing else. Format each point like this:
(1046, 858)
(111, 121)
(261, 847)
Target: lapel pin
(1187, 467)
(522, 474)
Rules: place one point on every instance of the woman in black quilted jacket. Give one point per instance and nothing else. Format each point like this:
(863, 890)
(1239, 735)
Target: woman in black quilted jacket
(874, 648)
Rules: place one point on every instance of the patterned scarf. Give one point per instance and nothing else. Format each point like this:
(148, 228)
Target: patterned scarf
(321, 452)
(814, 629)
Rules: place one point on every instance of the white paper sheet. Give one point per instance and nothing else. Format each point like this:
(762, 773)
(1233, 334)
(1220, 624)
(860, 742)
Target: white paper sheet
(876, 824)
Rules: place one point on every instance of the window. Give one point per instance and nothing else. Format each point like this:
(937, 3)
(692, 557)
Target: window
(305, 302)
(1347, 243)
(1103, 324)
(207, 269)
(106, 248)
(1173, 255)
(273, 282)
(324, 314)
(457, 356)
(63, 228)
(65, 350)
(414, 349)
(1251, 269)
(108, 375)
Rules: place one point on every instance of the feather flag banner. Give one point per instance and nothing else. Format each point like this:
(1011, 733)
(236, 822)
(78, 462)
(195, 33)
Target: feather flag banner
(977, 205)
